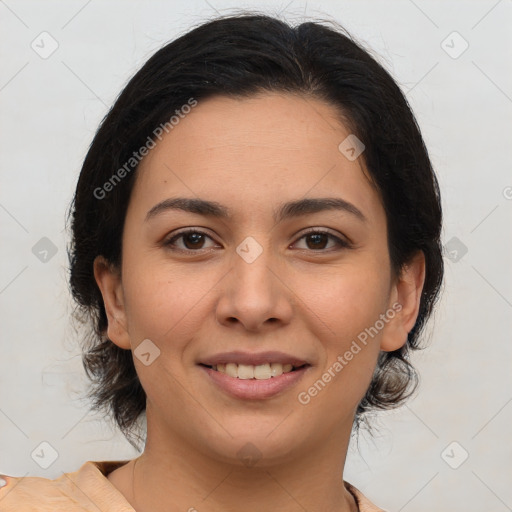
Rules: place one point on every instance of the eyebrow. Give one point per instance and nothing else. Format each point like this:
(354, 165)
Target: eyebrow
(287, 210)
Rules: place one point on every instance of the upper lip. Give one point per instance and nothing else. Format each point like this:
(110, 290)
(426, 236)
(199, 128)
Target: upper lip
(254, 359)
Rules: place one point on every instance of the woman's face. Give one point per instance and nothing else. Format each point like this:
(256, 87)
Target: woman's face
(253, 285)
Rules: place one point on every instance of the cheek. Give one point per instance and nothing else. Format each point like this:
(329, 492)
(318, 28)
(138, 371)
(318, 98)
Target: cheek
(345, 313)
(162, 305)
(347, 306)
(160, 301)
(346, 300)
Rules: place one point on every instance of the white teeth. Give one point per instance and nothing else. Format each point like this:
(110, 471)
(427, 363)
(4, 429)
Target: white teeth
(245, 371)
(232, 370)
(262, 372)
(276, 369)
(249, 371)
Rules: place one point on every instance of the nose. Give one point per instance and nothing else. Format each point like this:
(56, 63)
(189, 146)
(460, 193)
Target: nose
(255, 294)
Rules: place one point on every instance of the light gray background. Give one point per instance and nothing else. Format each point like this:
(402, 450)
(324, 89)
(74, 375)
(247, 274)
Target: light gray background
(51, 108)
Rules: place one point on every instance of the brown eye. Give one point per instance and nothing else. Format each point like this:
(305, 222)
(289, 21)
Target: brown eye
(192, 239)
(316, 240)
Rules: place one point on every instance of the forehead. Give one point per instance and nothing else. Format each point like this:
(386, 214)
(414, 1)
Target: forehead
(272, 146)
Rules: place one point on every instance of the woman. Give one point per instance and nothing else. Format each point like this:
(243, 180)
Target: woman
(256, 242)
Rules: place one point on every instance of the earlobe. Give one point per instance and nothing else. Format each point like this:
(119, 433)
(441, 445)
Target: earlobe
(406, 299)
(109, 282)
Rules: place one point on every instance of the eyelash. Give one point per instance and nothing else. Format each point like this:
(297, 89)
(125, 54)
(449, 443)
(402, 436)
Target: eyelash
(341, 243)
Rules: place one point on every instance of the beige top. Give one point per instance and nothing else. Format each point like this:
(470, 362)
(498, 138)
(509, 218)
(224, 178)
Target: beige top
(87, 489)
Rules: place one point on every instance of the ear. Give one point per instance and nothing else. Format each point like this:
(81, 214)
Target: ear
(109, 282)
(405, 302)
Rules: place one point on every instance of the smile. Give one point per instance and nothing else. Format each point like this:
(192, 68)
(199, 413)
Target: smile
(254, 382)
(249, 371)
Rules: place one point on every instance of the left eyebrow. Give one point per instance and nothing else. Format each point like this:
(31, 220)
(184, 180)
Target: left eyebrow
(314, 205)
(287, 210)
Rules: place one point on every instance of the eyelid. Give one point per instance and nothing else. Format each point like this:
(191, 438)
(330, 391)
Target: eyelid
(185, 231)
(342, 241)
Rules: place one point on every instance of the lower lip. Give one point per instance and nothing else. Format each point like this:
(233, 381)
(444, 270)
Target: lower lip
(255, 389)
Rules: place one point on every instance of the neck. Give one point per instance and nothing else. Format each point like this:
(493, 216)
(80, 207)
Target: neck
(171, 475)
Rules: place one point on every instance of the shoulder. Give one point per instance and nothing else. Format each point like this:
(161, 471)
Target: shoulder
(363, 503)
(28, 493)
(86, 489)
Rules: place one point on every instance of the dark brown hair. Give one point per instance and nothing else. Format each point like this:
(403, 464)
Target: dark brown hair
(239, 56)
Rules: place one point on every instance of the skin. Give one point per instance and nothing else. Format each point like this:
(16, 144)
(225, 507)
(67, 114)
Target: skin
(306, 297)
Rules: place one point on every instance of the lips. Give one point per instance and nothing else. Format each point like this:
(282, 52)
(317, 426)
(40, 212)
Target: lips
(255, 359)
(254, 376)
(254, 388)
(260, 372)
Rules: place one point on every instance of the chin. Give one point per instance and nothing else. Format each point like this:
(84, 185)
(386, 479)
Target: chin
(254, 445)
